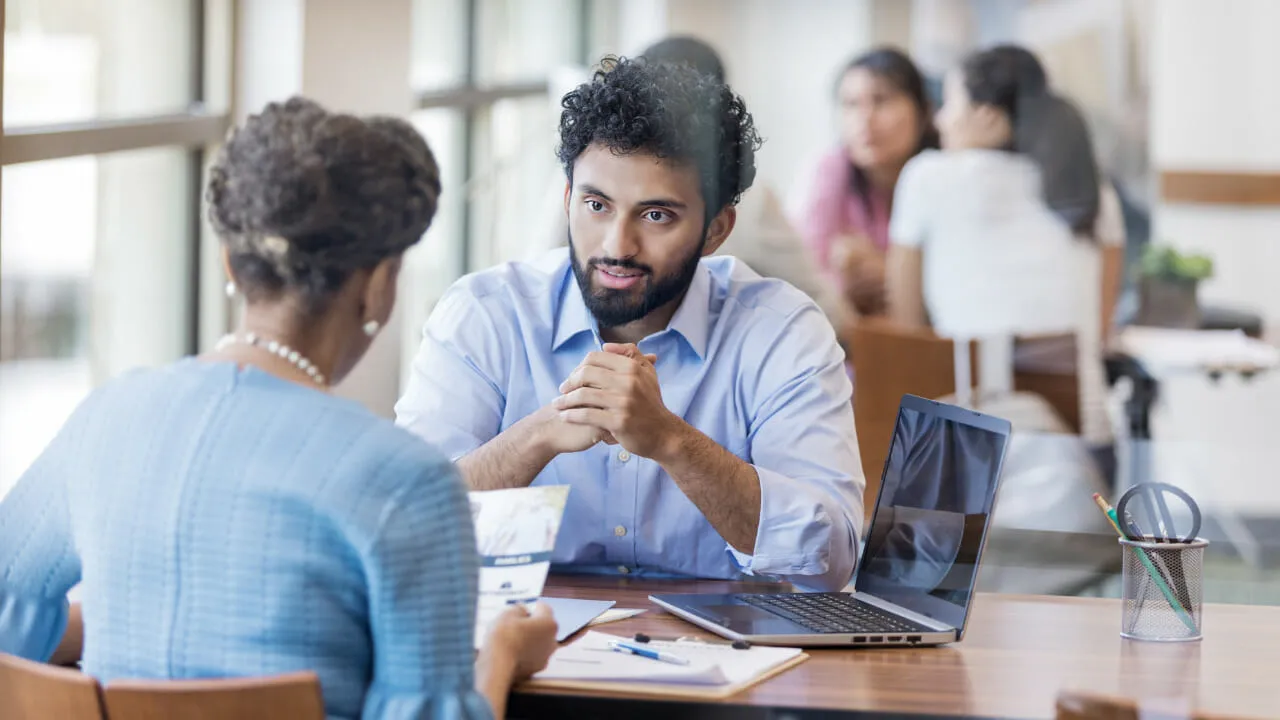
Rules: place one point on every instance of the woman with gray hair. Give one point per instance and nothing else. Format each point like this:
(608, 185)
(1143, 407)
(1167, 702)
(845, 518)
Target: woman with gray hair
(227, 516)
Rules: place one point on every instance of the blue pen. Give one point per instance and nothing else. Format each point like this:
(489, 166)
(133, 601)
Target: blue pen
(646, 652)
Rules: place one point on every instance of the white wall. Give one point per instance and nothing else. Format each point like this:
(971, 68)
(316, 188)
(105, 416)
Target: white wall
(1214, 89)
(786, 65)
(1215, 105)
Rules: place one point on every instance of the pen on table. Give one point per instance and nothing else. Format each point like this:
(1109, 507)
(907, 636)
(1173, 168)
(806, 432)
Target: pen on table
(623, 647)
(1178, 609)
(736, 644)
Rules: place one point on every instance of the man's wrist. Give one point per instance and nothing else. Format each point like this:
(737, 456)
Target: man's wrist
(672, 447)
(537, 444)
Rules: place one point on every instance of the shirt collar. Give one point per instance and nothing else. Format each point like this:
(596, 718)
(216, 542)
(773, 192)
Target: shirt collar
(692, 320)
(574, 318)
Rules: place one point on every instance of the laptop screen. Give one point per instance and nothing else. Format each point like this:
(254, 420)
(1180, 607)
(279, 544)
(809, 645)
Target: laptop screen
(936, 497)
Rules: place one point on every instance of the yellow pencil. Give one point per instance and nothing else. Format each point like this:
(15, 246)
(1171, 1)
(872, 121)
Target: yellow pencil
(1106, 510)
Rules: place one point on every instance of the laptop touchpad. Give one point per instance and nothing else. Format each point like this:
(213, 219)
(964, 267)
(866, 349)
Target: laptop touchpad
(745, 618)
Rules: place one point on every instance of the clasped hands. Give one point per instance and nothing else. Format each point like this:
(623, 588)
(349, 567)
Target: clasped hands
(614, 397)
(861, 267)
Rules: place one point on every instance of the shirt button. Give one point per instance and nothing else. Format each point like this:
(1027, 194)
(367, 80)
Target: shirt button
(619, 531)
(624, 569)
(623, 456)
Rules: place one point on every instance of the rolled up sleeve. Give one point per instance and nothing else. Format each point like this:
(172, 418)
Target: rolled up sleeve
(31, 627)
(452, 400)
(804, 448)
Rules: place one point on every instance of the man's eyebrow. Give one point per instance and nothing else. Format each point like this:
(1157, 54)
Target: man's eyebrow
(669, 203)
(593, 190)
(664, 203)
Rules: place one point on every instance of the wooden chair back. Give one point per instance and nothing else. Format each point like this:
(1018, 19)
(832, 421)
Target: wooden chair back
(295, 696)
(36, 691)
(890, 361)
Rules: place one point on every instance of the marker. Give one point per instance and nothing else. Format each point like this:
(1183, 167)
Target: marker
(647, 653)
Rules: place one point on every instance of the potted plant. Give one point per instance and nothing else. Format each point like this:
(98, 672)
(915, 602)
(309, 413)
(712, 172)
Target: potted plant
(1167, 285)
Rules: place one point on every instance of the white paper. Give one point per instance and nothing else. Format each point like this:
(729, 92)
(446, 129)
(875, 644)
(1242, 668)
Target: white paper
(592, 658)
(615, 614)
(515, 533)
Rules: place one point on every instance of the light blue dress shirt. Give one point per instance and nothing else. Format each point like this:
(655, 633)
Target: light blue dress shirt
(750, 362)
(225, 523)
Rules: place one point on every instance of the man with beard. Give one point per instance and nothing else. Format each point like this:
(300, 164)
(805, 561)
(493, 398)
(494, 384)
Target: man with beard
(700, 413)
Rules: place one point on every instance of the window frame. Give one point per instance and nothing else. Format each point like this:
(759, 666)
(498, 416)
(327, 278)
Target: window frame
(198, 130)
(472, 99)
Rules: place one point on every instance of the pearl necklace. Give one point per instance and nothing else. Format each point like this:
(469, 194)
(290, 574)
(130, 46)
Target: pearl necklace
(284, 352)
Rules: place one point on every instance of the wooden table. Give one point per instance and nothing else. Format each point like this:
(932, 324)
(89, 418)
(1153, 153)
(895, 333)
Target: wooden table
(1019, 652)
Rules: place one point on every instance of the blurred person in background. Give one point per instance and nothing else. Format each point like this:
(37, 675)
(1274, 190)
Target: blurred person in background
(763, 237)
(993, 240)
(977, 250)
(1068, 171)
(1009, 135)
(885, 120)
(1069, 174)
(226, 515)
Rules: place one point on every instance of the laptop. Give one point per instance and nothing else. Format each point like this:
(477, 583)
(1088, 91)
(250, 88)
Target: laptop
(914, 581)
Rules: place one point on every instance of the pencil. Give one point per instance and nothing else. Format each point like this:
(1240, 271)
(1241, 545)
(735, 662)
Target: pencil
(1105, 507)
(1178, 609)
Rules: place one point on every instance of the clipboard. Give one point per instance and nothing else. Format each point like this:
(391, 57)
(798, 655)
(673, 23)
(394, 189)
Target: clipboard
(673, 689)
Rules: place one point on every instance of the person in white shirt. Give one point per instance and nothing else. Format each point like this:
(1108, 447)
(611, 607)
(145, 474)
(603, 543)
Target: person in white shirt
(996, 237)
(1064, 153)
(1008, 229)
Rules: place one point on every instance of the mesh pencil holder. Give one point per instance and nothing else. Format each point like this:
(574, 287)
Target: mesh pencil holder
(1163, 590)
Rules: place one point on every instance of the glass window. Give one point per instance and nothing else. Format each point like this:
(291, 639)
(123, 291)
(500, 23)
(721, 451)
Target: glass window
(517, 186)
(440, 44)
(94, 280)
(436, 261)
(524, 40)
(75, 60)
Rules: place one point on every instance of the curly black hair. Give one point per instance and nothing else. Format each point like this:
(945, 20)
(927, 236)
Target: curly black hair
(671, 111)
(302, 198)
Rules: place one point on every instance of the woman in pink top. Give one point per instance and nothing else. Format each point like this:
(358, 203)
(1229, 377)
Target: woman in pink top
(885, 120)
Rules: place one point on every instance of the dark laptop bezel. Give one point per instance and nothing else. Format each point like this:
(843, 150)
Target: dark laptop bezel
(944, 612)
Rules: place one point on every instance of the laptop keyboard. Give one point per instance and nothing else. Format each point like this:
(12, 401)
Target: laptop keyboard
(833, 613)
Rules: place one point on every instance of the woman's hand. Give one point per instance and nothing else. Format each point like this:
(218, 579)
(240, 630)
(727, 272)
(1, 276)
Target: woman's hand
(861, 268)
(519, 644)
(528, 638)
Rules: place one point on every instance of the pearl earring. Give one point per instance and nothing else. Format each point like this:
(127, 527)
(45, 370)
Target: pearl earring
(231, 288)
(372, 327)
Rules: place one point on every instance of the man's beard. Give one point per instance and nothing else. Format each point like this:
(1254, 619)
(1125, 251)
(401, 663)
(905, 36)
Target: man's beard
(612, 307)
